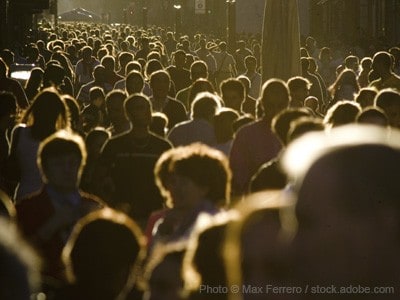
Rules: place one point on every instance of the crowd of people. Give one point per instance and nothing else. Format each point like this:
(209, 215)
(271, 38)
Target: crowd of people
(135, 164)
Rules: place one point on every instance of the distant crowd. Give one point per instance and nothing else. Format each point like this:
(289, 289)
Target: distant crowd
(135, 164)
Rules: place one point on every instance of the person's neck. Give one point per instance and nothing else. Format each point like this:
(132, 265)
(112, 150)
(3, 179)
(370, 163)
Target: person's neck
(121, 126)
(140, 132)
(386, 75)
(62, 190)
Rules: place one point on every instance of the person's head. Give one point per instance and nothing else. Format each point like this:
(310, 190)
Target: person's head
(190, 181)
(249, 259)
(342, 113)
(115, 106)
(305, 65)
(389, 101)
(250, 63)
(382, 63)
(204, 106)
(95, 140)
(233, 93)
(99, 74)
(299, 88)
(346, 86)
(159, 123)
(47, 114)
(35, 79)
(61, 158)
(133, 66)
(152, 66)
(281, 122)
(198, 69)
(102, 252)
(160, 83)
(97, 96)
(313, 67)
(3, 69)
(162, 273)
(54, 74)
(222, 46)
(304, 125)
(200, 85)
(365, 97)
(180, 58)
(274, 97)
(138, 110)
(325, 55)
(86, 53)
(134, 82)
(366, 64)
(312, 103)
(124, 58)
(373, 115)
(223, 124)
(352, 62)
(108, 62)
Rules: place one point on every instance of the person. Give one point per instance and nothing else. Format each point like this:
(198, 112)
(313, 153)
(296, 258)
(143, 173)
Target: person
(382, 65)
(366, 96)
(372, 115)
(13, 86)
(389, 101)
(366, 67)
(46, 217)
(198, 69)
(34, 84)
(233, 94)
(345, 87)
(299, 88)
(226, 66)
(255, 143)
(223, 126)
(162, 273)
(19, 272)
(127, 161)
(102, 243)
(250, 63)
(249, 105)
(205, 55)
(8, 110)
(84, 67)
(161, 102)
(94, 142)
(315, 89)
(251, 261)
(240, 54)
(192, 190)
(115, 110)
(95, 114)
(99, 75)
(326, 206)
(326, 65)
(178, 73)
(342, 113)
(111, 77)
(200, 128)
(134, 83)
(269, 175)
(45, 116)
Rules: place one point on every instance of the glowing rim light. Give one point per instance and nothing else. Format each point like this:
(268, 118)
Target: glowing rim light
(303, 152)
(177, 6)
(21, 75)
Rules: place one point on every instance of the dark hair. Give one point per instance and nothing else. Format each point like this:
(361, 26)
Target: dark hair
(197, 162)
(46, 111)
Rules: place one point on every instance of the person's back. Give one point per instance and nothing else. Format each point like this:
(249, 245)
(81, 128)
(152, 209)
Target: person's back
(255, 143)
(128, 160)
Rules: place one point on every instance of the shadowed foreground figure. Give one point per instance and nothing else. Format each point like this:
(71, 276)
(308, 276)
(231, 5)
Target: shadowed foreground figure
(342, 214)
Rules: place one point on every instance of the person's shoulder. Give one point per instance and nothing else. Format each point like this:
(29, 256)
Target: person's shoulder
(160, 140)
(93, 199)
(32, 201)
